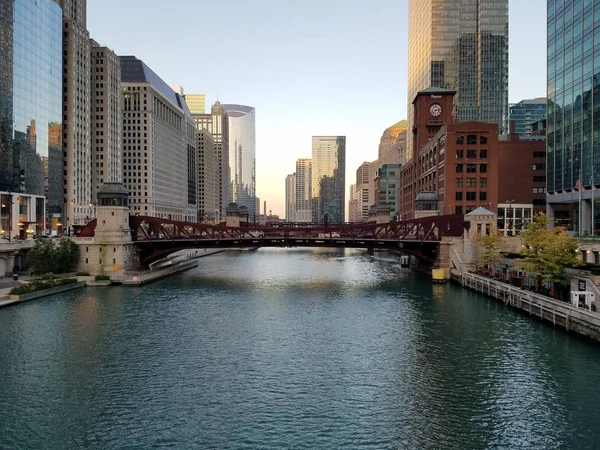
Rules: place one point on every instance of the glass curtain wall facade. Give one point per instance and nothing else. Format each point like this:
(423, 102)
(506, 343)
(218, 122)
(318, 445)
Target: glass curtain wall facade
(460, 45)
(526, 113)
(242, 156)
(31, 160)
(328, 178)
(573, 127)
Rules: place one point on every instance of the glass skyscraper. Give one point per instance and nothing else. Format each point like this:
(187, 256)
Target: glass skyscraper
(31, 111)
(460, 45)
(328, 178)
(573, 128)
(527, 112)
(242, 156)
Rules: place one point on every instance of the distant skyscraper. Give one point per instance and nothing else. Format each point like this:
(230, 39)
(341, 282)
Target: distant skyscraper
(217, 124)
(303, 190)
(390, 136)
(290, 198)
(365, 189)
(460, 45)
(242, 155)
(328, 178)
(31, 162)
(196, 103)
(208, 177)
(106, 117)
(526, 113)
(77, 109)
(159, 141)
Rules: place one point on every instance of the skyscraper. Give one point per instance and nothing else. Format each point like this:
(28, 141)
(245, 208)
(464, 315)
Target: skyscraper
(573, 127)
(159, 146)
(106, 117)
(460, 45)
(328, 178)
(196, 103)
(30, 116)
(526, 113)
(76, 113)
(217, 124)
(390, 136)
(242, 156)
(208, 177)
(303, 190)
(290, 198)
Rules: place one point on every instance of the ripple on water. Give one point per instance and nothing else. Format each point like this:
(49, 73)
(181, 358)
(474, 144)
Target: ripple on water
(291, 349)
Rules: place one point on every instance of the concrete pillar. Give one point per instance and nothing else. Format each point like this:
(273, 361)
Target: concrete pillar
(586, 215)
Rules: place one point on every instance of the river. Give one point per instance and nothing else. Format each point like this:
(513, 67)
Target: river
(277, 349)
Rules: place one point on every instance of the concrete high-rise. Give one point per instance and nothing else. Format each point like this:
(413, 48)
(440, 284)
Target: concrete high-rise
(390, 136)
(77, 113)
(106, 117)
(31, 160)
(159, 146)
(290, 198)
(208, 177)
(217, 124)
(242, 156)
(460, 45)
(328, 178)
(365, 189)
(304, 190)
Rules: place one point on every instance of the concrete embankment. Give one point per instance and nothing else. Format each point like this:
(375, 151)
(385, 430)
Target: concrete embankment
(581, 321)
(13, 299)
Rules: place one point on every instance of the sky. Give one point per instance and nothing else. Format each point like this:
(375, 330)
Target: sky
(311, 67)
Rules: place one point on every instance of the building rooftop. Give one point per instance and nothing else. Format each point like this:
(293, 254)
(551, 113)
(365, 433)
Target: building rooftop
(481, 211)
(113, 188)
(434, 90)
(134, 70)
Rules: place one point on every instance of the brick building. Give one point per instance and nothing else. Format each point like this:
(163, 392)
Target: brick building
(467, 164)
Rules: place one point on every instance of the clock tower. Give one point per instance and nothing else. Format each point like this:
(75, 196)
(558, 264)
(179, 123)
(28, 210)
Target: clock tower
(433, 108)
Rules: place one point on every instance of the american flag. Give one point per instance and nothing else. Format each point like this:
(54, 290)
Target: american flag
(578, 186)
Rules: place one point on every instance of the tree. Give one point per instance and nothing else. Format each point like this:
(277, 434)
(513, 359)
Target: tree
(548, 251)
(491, 246)
(47, 257)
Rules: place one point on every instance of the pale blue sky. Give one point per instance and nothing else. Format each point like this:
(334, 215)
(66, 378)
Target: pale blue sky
(309, 67)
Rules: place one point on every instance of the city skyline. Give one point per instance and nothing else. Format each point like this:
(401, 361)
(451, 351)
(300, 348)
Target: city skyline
(276, 78)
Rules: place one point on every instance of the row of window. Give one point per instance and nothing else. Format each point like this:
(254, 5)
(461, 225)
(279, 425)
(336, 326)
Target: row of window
(471, 182)
(470, 196)
(471, 154)
(471, 168)
(471, 140)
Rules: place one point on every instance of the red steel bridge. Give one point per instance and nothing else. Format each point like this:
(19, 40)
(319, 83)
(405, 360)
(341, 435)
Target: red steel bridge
(156, 238)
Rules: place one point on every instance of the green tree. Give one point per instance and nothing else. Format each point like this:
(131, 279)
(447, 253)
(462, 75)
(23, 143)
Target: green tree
(42, 256)
(490, 248)
(548, 251)
(47, 257)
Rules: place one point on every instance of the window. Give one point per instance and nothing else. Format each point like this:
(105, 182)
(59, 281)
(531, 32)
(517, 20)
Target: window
(539, 179)
(459, 182)
(483, 168)
(483, 182)
(470, 209)
(483, 196)
(459, 154)
(471, 182)
(459, 196)
(539, 190)
(483, 154)
(539, 154)
(458, 210)
(460, 140)
(459, 168)
(472, 139)
(483, 140)
(471, 168)
(471, 154)
(471, 196)
(539, 167)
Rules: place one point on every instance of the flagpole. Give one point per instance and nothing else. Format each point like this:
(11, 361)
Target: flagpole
(593, 216)
(580, 212)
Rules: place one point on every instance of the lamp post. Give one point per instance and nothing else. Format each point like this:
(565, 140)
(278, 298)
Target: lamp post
(9, 204)
(511, 208)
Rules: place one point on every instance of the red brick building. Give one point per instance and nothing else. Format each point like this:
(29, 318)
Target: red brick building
(468, 165)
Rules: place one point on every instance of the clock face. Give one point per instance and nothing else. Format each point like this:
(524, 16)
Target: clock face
(435, 110)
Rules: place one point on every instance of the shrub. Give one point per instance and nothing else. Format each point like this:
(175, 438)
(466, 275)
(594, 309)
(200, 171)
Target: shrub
(39, 285)
(102, 278)
(82, 274)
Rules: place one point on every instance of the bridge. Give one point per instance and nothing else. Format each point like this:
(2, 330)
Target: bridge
(156, 238)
